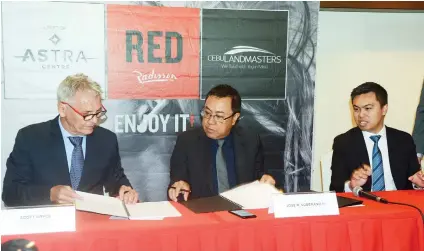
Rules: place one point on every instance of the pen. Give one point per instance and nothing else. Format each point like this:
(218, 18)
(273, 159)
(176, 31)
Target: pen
(182, 190)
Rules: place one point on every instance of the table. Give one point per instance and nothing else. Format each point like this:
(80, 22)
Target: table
(373, 227)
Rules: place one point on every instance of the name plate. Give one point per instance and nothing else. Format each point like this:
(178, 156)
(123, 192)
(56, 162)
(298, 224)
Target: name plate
(30, 220)
(298, 205)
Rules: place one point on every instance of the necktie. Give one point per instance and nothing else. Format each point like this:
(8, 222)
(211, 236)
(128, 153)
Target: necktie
(221, 169)
(377, 166)
(77, 161)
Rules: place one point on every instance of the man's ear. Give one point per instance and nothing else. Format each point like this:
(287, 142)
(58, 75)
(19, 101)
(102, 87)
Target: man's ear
(61, 109)
(235, 118)
(385, 108)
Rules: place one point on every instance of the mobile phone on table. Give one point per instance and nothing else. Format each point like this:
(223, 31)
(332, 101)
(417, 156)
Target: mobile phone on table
(242, 214)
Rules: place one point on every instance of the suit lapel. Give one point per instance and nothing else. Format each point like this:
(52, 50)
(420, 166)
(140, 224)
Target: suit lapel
(58, 153)
(91, 151)
(239, 152)
(362, 154)
(391, 149)
(207, 164)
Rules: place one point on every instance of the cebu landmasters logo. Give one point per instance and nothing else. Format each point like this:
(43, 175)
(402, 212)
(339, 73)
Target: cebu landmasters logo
(243, 57)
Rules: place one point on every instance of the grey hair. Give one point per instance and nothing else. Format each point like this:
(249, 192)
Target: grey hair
(73, 83)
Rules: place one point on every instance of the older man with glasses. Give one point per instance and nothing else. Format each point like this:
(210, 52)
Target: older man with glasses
(219, 155)
(53, 159)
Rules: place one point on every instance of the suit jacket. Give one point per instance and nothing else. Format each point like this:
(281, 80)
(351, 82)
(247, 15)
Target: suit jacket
(191, 160)
(350, 151)
(418, 133)
(38, 162)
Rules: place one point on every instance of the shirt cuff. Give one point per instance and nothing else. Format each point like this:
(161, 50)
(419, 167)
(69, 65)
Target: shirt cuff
(417, 187)
(346, 187)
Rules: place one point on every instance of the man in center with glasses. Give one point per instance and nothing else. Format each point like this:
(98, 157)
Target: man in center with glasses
(53, 159)
(219, 155)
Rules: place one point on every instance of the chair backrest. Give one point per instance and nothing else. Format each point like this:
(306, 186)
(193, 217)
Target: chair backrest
(326, 171)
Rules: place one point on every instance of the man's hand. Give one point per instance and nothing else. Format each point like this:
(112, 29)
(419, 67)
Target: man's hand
(267, 179)
(177, 188)
(63, 195)
(128, 195)
(360, 176)
(417, 179)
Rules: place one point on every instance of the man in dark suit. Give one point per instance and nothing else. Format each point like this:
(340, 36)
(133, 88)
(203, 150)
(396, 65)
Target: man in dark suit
(53, 159)
(219, 155)
(372, 155)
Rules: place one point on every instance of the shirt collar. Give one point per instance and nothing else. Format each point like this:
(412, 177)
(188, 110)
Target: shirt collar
(65, 133)
(382, 133)
(227, 139)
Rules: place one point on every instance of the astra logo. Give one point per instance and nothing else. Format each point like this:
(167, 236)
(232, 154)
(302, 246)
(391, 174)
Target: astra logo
(54, 58)
(243, 54)
(154, 77)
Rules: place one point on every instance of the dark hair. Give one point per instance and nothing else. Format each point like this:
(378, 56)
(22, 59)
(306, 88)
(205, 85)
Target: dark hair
(380, 92)
(223, 91)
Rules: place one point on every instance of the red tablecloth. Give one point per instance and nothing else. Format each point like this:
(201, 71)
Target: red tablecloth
(373, 227)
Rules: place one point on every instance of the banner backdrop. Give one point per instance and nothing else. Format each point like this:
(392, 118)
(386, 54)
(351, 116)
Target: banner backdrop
(45, 41)
(266, 50)
(162, 59)
(153, 52)
(246, 48)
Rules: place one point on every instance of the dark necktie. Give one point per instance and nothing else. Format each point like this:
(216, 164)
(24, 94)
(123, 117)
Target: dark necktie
(77, 161)
(221, 169)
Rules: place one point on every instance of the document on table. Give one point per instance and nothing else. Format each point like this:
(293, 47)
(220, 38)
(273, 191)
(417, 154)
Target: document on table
(254, 195)
(113, 206)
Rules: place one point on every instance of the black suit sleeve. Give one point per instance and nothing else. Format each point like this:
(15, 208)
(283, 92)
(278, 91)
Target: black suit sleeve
(179, 168)
(339, 172)
(259, 161)
(413, 165)
(418, 133)
(116, 177)
(18, 185)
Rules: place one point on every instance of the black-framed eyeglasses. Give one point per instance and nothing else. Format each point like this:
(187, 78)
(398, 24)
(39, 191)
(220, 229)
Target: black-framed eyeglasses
(88, 117)
(216, 118)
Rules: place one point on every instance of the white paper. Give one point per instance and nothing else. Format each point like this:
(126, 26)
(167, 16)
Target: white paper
(254, 195)
(100, 204)
(113, 206)
(43, 219)
(152, 210)
(299, 205)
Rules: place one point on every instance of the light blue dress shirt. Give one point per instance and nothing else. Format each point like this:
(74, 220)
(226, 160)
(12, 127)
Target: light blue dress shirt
(68, 145)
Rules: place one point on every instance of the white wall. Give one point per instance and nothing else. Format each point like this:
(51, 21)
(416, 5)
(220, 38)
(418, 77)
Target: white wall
(355, 47)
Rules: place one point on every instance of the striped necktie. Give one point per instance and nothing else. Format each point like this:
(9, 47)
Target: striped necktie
(377, 166)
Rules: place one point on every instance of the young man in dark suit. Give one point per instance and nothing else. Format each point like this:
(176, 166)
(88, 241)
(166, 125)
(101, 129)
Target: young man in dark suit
(372, 155)
(219, 155)
(53, 159)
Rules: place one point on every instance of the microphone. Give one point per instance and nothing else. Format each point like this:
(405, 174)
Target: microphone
(358, 191)
(19, 244)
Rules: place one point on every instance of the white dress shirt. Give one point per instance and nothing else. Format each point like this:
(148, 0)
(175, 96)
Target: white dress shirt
(69, 147)
(389, 183)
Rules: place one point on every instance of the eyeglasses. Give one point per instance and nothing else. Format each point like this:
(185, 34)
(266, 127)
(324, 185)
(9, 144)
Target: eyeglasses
(217, 118)
(88, 117)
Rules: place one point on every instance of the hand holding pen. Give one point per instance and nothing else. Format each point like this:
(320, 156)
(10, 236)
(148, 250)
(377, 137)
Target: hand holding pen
(179, 187)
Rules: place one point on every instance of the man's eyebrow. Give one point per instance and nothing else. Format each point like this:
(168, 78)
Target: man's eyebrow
(356, 106)
(98, 110)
